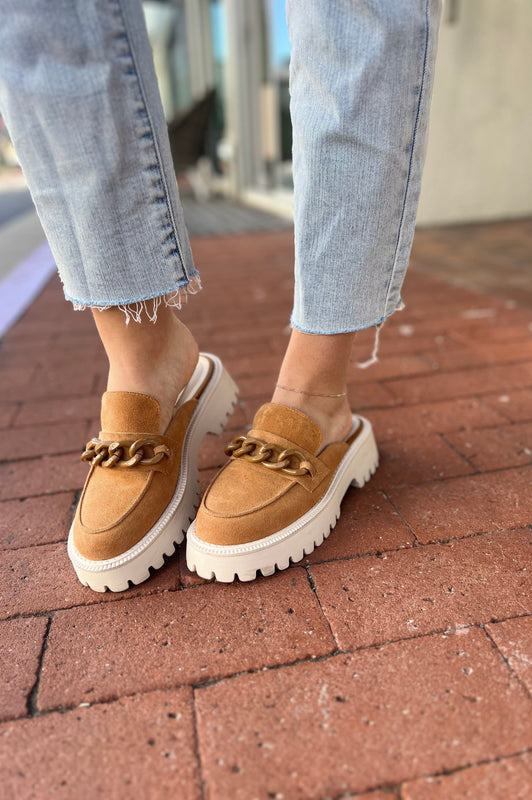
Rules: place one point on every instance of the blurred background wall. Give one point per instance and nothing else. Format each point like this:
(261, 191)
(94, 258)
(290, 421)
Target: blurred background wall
(479, 157)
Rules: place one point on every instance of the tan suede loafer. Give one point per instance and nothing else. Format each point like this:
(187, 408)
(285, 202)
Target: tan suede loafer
(279, 495)
(142, 488)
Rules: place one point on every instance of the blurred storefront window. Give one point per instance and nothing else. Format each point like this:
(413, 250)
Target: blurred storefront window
(222, 67)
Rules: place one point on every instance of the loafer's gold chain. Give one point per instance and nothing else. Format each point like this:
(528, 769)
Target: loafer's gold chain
(270, 455)
(124, 454)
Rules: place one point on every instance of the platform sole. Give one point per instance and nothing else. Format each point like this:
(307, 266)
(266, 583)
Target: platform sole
(292, 543)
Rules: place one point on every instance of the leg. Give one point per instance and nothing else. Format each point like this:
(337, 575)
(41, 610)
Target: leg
(318, 365)
(79, 94)
(360, 109)
(361, 75)
(155, 358)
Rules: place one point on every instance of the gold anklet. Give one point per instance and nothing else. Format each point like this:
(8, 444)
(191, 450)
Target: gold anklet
(310, 394)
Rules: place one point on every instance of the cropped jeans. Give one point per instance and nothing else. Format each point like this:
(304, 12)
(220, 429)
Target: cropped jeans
(79, 96)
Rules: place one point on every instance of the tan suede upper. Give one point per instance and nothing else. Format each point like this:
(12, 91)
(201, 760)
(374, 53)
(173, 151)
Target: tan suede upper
(247, 501)
(119, 506)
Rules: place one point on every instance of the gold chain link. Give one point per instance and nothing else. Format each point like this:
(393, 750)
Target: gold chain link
(269, 455)
(123, 454)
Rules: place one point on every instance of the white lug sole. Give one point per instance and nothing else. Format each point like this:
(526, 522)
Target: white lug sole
(116, 574)
(295, 541)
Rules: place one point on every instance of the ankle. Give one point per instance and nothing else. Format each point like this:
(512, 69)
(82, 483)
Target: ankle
(313, 379)
(151, 358)
(144, 357)
(331, 414)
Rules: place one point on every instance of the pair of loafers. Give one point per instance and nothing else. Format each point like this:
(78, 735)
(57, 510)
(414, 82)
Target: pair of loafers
(275, 500)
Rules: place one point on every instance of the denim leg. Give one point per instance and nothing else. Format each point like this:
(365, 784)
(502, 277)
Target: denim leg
(79, 95)
(360, 83)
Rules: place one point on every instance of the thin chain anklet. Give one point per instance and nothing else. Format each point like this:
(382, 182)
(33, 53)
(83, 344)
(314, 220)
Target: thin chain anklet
(310, 394)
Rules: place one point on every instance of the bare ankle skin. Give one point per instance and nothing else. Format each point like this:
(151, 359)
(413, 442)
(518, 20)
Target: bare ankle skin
(155, 358)
(318, 365)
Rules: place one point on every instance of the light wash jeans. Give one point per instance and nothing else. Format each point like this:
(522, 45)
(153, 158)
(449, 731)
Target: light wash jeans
(79, 96)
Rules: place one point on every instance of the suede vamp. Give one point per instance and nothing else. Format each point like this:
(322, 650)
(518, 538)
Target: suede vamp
(130, 411)
(289, 423)
(247, 501)
(119, 506)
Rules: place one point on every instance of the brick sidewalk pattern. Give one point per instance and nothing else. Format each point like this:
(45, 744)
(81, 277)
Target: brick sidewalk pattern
(394, 663)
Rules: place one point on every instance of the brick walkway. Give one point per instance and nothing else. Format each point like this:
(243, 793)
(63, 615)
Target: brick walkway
(393, 663)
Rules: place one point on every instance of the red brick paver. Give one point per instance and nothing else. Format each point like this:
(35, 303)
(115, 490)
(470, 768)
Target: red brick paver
(136, 747)
(501, 780)
(516, 406)
(50, 411)
(393, 663)
(375, 796)
(514, 640)
(7, 413)
(184, 637)
(21, 643)
(23, 443)
(39, 579)
(413, 592)
(45, 475)
(359, 721)
(458, 507)
(413, 460)
(495, 448)
(368, 524)
(436, 417)
(36, 520)
(477, 380)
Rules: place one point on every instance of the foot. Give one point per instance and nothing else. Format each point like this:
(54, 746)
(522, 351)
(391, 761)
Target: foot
(332, 415)
(156, 359)
(313, 379)
(279, 495)
(161, 373)
(141, 491)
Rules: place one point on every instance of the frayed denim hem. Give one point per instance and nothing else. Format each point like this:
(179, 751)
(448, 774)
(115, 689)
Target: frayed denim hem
(374, 357)
(136, 309)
